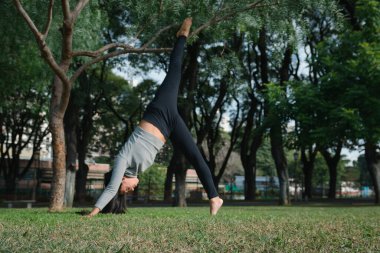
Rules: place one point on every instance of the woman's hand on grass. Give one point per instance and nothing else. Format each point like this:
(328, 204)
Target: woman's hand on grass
(94, 212)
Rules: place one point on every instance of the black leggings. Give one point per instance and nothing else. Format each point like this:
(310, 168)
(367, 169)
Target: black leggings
(162, 112)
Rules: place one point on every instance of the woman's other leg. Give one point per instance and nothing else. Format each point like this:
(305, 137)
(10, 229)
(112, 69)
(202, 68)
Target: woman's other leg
(182, 139)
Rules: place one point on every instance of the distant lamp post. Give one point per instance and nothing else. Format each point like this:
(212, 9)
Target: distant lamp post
(295, 156)
(36, 158)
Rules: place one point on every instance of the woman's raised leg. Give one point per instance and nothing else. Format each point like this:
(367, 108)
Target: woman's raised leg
(167, 93)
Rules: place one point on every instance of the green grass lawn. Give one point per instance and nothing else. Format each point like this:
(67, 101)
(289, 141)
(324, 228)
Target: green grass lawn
(235, 229)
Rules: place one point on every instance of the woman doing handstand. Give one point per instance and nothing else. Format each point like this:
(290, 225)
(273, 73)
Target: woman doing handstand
(161, 121)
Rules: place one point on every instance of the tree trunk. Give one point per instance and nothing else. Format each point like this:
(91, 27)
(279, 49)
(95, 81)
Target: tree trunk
(169, 179)
(81, 180)
(85, 127)
(58, 104)
(308, 168)
(280, 162)
(332, 163)
(180, 183)
(69, 187)
(10, 186)
(253, 131)
(59, 163)
(11, 178)
(71, 122)
(59, 101)
(332, 181)
(248, 157)
(83, 142)
(373, 164)
(250, 182)
(308, 176)
(277, 146)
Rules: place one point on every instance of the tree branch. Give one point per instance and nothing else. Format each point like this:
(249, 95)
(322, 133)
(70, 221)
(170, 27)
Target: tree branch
(48, 22)
(28, 20)
(81, 4)
(96, 53)
(66, 9)
(113, 54)
(126, 47)
(156, 35)
(113, 110)
(45, 50)
(215, 19)
(235, 129)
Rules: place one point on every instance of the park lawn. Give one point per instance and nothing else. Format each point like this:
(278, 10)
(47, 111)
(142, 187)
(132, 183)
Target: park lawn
(168, 229)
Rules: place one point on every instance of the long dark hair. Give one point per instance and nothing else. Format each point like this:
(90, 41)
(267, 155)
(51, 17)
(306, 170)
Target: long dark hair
(118, 204)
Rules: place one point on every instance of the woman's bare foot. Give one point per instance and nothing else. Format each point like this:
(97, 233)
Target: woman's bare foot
(185, 27)
(215, 204)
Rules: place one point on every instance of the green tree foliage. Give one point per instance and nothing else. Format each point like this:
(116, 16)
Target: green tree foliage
(113, 126)
(321, 173)
(20, 64)
(352, 58)
(265, 164)
(23, 97)
(152, 182)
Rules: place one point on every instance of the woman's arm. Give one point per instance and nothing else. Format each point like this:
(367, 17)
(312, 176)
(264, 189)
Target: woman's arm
(113, 186)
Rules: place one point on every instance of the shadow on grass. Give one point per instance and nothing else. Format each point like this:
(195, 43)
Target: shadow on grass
(83, 212)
